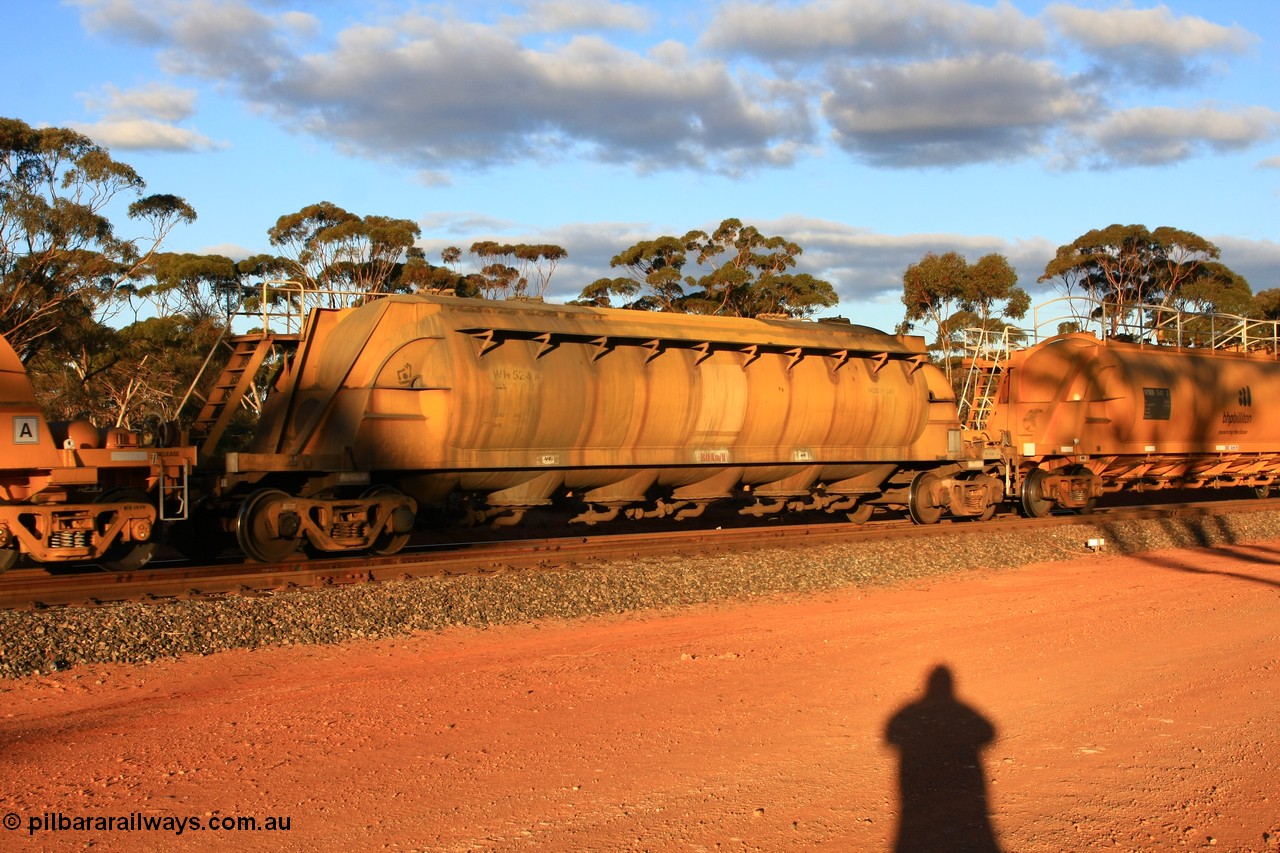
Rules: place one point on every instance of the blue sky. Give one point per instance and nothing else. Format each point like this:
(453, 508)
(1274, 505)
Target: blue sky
(868, 131)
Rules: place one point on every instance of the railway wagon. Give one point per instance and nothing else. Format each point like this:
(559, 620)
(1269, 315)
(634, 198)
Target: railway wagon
(419, 399)
(1078, 416)
(74, 493)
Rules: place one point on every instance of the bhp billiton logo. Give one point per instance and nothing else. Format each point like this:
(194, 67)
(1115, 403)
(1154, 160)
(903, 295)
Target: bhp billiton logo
(1245, 396)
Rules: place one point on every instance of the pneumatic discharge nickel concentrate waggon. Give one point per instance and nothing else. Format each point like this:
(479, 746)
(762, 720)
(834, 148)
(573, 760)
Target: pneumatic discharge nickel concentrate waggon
(406, 403)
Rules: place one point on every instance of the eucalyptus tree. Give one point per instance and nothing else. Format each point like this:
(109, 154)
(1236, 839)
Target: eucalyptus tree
(139, 373)
(654, 280)
(745, 274)
(198, 286)
(336, 258)
(1216, 288)
(948, 294)
(418, 275)
(60, 255)
(1121, 267)
(1266, 304)
(516, 269)
(749, 276)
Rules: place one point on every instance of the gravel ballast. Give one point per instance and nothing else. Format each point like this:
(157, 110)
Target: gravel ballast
(42, 641)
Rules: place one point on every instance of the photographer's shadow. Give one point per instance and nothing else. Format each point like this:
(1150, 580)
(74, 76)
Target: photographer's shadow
(941, 781)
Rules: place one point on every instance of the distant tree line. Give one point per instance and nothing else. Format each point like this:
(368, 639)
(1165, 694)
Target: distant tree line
(744, 273)
(1120, 272)
(113, 329)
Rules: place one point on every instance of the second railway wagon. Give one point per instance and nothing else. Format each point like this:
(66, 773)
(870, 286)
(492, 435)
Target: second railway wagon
(1077, 415)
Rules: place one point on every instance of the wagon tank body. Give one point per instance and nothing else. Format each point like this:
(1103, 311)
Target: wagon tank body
(72, 492)
(517, 402)
(1082, 415)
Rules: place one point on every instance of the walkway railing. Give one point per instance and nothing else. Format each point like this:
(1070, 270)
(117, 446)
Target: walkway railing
(987, 350)
(1153, 325)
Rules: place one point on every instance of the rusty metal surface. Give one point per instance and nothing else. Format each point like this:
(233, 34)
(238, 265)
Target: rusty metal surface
(71, 492)
(520, 401)
(1129, 411)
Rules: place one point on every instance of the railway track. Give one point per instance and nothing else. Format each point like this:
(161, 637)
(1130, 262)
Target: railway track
(32, 588)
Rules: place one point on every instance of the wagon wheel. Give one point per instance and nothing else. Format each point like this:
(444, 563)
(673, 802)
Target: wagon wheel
(1034, 506)
(1092, 503)
(388, 542)
(255, 536)
(127, 556)
(988, 511)
(8, 559)
(861, 513)
(920, 500)
(1263, 491)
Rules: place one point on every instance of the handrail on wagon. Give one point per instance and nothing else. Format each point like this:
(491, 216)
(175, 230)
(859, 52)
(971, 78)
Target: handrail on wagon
(1151, 325)
(285, 303)
(987, 350)
(290, 312)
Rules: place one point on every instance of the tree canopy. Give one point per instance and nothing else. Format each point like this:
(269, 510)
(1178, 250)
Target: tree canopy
(746, 275)
(516, 270)
(134, 376)
(949, 294)
(341, 257)
(1128, 265)
(66, 273)
(1218, 289)
(60, 255)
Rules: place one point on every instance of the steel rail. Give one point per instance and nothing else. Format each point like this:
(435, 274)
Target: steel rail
(160, 581)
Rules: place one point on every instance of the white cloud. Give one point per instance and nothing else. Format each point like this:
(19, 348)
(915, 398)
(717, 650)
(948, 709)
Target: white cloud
(137, 21)
(227, 39)
(436, 93)
(234, 251)
(467, 94)
(433, 178)
(815, 30)
(144, 119)
(584, 15)
(465, 224)
(158, 101)
(1159, 135)
(136, 134)
(1124, 28)
(1151, 45)
(900, 83)
(951, 111)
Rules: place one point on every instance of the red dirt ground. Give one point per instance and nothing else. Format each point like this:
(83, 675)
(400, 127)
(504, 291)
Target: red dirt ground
(1101, 703)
